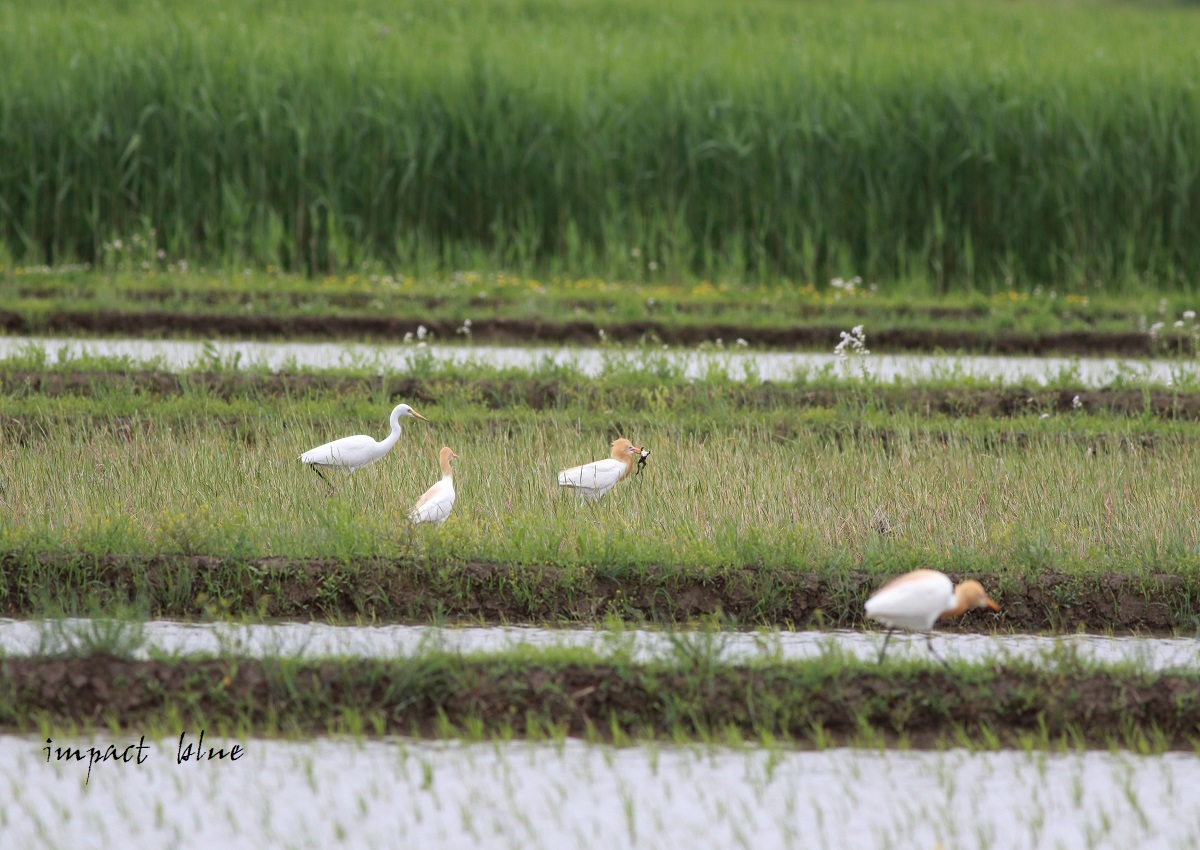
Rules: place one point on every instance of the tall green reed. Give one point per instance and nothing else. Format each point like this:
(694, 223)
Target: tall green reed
(963, 143)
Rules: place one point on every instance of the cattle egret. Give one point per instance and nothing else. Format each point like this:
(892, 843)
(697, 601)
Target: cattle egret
(914, 601)
(435, 505)
(593, 480)
(351, 453)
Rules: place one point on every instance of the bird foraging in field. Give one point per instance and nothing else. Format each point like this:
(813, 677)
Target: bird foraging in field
(916, 600)
(351, 453)
(592, 480)
(435, 505)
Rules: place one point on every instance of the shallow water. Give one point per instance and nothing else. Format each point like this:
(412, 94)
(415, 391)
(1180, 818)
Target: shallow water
(398, 793)
(27, 637)
(181, 354)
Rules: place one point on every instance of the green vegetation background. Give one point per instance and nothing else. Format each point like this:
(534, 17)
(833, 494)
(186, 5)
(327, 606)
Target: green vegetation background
(962, 144)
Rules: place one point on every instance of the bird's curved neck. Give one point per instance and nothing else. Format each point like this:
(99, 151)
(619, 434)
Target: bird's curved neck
(447, 472)
(390, 439)
(959, 608)
(628, 461)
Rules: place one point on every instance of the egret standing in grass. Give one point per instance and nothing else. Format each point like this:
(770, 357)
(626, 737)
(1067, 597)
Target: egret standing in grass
(593, 480)
(435, 505)
(914, 601)
(351, 453)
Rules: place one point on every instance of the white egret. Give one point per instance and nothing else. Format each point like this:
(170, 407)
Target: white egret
(593, 480)
(435, 505)
(351, 453)
(916, 600)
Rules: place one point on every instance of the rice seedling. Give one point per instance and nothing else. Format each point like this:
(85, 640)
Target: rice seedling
(814, 141)
(580, 693)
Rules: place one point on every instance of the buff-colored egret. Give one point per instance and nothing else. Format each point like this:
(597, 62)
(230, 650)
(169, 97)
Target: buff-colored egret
(592, 480)
(351, 453)
(435, 505)
(916, 600)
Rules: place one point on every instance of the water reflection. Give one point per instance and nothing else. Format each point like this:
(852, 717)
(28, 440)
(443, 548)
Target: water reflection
(184, 354)
(341, 793)
(26, 637)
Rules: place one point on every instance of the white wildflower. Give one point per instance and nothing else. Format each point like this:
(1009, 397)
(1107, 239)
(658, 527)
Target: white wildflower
(1076, 403)
(421, 332)
(1189, 314)
(741, 342)
(852, 344)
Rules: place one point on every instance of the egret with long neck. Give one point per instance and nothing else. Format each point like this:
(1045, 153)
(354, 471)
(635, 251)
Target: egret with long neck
(351, 453)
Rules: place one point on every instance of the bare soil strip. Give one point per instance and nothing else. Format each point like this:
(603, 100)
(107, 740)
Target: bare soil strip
(387, 591)
(812, 702)
(162, 324)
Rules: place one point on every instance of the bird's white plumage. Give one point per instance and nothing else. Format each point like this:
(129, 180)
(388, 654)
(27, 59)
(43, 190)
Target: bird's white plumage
(435, 505)
(593, 480)
(913, 601)
(351, 453)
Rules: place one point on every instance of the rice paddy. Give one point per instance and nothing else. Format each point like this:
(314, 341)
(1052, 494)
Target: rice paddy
(331, 793)
(958, 145)
(147, 493)
(799, 251)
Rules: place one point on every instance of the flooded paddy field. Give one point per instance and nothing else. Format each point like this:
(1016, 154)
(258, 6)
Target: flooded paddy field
(184, 354)
(316, 640)
(341, 792)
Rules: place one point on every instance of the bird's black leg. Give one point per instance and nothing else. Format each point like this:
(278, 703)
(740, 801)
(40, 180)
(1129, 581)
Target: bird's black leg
(929, 643)
(886, 637)
(317, 470)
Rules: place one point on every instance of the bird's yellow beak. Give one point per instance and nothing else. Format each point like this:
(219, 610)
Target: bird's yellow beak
(416, 415)
(453, 456)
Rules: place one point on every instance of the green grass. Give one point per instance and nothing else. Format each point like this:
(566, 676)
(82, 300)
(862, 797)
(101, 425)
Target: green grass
(462, 307)
(959, 144)
(200, 474)
(182, 495)
(690, 695)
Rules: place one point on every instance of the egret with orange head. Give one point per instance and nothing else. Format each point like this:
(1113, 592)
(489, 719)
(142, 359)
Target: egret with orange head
(916, 600)
(435, 505)
(592, 480)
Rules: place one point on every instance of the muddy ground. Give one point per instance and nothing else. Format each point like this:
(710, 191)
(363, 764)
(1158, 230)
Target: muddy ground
(386, 591)
(536, 394)
(419, 695)
(155, 323)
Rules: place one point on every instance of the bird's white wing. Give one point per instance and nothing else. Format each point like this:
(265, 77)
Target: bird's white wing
(348, 451)
(598, 476)
(912, 601)
(435, 504)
